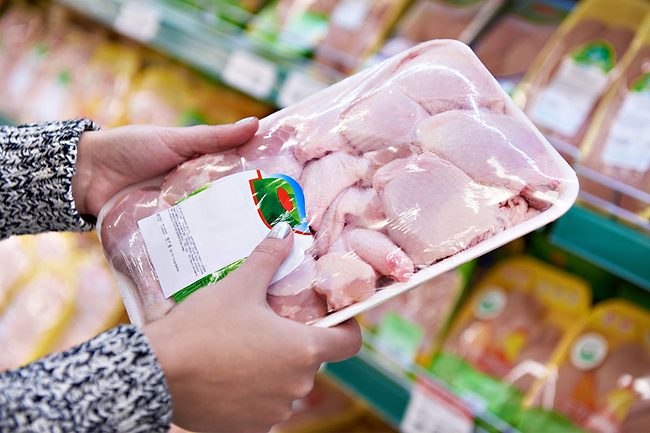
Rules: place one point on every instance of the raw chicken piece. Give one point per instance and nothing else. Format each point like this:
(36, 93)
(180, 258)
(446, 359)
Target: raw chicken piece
(364, 124)
(390, 153)
(325, 178)
(359, 207)
(301, 278)
(305, 306)
(197, 173)
(433, 209)
(344, 279)
(517, 211)
(495, 150)
(120, 234)
(448, 77)
(380, 252)
(272, 153)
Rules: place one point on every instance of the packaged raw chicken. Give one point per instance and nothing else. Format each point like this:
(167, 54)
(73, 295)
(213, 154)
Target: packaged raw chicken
(355, 29)
(35, 316)
(406, 328)
(510, 46)
(439, 19)
(615, 155)
(508, 330)
(389, 178)
(565, 83)
(600, 377)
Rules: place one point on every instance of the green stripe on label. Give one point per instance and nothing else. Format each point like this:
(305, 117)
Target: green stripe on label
(206, 281)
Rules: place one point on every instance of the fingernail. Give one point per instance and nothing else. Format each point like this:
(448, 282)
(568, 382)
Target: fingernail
(245, 120)
(280, 231)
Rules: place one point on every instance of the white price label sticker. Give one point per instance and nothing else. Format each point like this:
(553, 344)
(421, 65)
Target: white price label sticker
(433, 409)
(297, 87)
(138, 20)
(250, 73)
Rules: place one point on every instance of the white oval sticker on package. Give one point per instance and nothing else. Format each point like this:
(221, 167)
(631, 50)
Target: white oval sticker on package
(211, 232)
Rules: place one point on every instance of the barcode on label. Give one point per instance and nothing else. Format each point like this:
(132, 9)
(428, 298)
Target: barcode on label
(433, 409)
(250, 73)
(297, 87)
(138, 20)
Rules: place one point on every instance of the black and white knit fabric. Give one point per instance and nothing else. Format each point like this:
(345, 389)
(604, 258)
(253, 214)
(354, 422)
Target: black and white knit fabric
(112, 383)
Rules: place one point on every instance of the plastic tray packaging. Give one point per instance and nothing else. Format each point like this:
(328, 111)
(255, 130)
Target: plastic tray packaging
(508, 329)
(573, 71)
(599, 378)
(615, 155)
(408, 169)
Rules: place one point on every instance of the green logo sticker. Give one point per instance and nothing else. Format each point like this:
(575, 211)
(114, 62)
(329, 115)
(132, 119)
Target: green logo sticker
(641, 84)
(599, 53)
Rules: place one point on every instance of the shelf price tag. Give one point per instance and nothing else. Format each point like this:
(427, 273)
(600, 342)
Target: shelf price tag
(137, 20)
(250, 73)
(433, 409)
(297, 87)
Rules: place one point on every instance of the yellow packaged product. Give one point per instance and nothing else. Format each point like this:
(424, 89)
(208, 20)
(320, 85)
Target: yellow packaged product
(14, 259)
(98, 305)
(106, 82)
(36, 315)
(50, 247)
(571, 73)
(615, 155)
(599, 378)
(508, 329)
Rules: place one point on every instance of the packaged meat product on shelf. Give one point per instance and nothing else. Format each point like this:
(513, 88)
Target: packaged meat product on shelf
(35, 316)
(356, 27)
(573, 71)
(509, 47)
(406, 328)
(439, 19)
(15, 264)
(615, 155)
(599, 378)
(507, 331)
(292, 27)
(97, 306)
(382, 179)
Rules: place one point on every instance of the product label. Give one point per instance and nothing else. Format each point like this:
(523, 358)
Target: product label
(297, 87)
(304, 31)
(250, 73)
(209, 234)
(589, 351)
(491, 304)
(399, 339)
(351, 14)
(628, 143)
(138, 20)
(580, 80)
(433, 409)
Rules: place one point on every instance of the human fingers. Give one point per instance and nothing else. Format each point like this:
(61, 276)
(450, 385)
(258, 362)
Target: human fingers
(339, 342)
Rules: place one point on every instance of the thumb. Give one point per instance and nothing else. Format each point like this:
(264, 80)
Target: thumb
(259, 268)
(202, 139)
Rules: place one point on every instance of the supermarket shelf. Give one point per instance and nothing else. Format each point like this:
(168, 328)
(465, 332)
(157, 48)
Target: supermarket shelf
(387, 388)
(605, 242)
(213, 46)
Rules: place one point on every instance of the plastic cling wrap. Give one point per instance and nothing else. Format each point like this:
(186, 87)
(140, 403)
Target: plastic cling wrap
(409, 169)
(564, 85)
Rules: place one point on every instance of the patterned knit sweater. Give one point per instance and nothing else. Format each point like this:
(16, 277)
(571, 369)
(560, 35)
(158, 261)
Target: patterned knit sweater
(112, 383)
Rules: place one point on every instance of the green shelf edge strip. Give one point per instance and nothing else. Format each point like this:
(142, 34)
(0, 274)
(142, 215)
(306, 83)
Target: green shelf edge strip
(606, 243)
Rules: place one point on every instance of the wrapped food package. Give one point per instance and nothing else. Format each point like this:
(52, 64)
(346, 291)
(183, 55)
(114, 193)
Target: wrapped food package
(292, 27)
(565, 83)
(15, 263)
(386, 181)
(355, 29)
(600, 377)
(35, 316)
(439, 19)
(615, 155)
(406, 327)
(507, 331)
(510, 46)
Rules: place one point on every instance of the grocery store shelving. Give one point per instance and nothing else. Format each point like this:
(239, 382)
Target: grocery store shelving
(386, 388)
(598, 238)
(211, 45)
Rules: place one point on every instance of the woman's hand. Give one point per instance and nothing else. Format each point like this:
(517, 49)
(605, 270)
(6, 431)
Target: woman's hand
(111, 159)
(234, 365)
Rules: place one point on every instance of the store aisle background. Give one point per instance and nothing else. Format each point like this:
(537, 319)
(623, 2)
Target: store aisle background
(484, 336)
